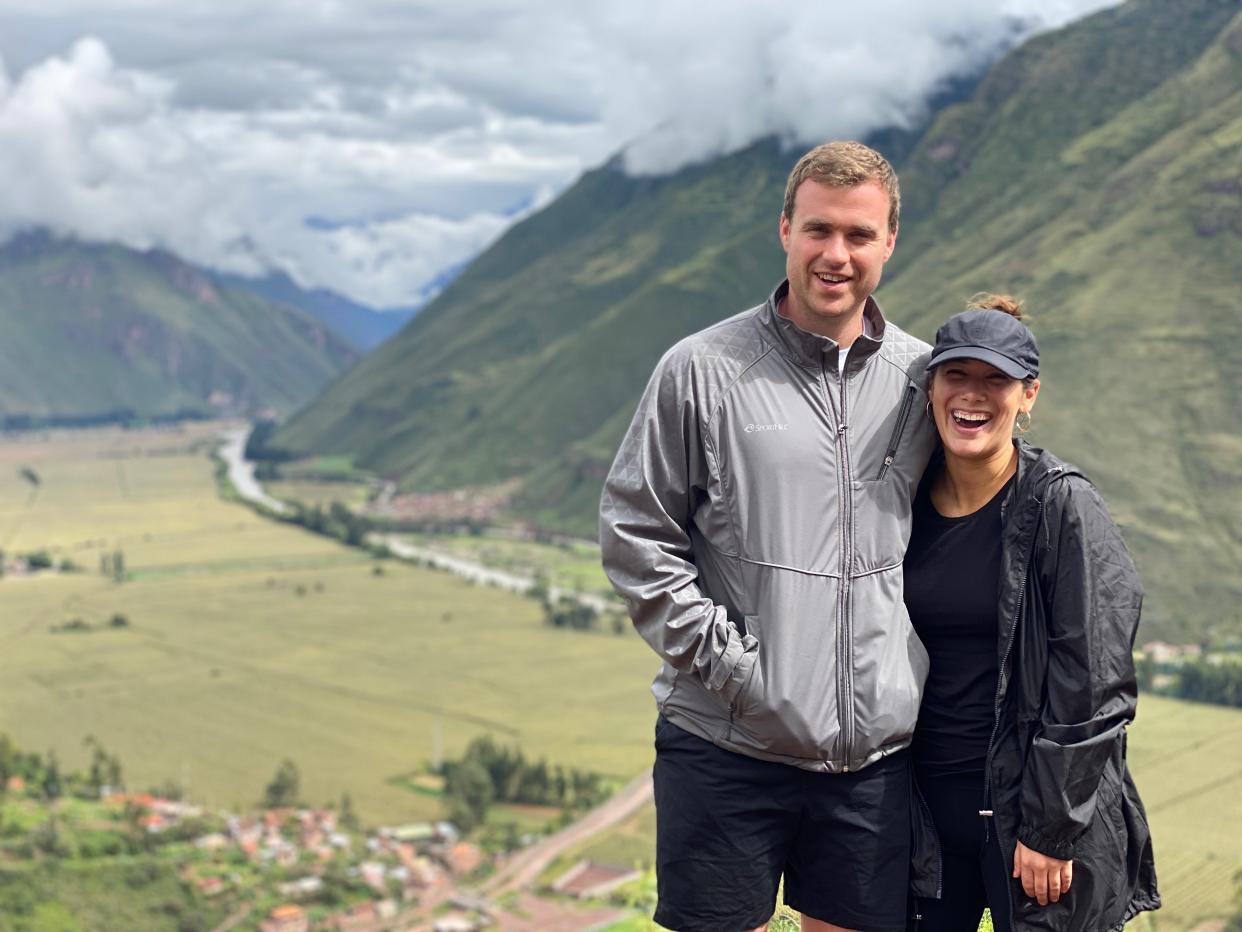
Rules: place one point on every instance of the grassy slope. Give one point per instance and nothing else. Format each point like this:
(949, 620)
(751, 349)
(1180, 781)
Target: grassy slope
(1123, 234)
(226, 668)
(1094, 172)
(489, 380)
(91, 329)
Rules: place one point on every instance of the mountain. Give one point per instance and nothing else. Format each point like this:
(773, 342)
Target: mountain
(360, 326)
(1095, 171)
(95, 332)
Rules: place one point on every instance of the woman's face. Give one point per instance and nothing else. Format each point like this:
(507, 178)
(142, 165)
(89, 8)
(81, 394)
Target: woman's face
(975, 405)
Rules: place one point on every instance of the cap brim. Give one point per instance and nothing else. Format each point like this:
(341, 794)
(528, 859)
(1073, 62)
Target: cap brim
(1011, 367)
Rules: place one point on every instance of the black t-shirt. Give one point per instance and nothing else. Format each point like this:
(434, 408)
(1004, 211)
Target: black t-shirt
(952, 582)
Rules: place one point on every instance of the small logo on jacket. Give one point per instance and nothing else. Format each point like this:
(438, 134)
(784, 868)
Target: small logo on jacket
(758, 428)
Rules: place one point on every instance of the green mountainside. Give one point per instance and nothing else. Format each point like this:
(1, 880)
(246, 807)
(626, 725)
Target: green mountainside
(92, 331)
(1095, 171)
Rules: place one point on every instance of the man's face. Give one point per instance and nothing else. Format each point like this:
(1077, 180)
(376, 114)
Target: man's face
(836, 245)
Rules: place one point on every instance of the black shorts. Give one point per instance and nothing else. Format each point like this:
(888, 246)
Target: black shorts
(728, 826)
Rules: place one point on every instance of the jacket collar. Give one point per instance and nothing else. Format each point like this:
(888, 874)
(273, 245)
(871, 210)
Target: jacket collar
(1036, 469)
(810, 349)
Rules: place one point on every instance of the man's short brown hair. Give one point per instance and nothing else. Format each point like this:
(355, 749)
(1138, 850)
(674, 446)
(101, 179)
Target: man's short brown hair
(845, 165)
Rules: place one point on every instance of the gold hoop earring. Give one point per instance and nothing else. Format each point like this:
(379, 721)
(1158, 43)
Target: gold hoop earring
(1023, 421)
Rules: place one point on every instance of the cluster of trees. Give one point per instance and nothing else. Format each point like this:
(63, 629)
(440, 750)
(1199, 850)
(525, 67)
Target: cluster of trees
(112, 565)
(570, 613)
(337, 521)
(40, 560)
(43, 776)
(285, 788)
(1217, 683)
(489, 773)
(124, 417)
(74, 625)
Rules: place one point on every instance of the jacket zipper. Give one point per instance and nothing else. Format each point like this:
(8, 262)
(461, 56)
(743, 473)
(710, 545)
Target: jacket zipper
(845, 665)
(931, 824)
(902, 416)
(996, 711)
(988, 811)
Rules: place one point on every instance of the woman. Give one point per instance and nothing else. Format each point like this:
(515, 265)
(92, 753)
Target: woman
(1019, 751)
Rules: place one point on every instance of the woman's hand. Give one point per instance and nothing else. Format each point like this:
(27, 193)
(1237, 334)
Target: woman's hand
(1043, 878)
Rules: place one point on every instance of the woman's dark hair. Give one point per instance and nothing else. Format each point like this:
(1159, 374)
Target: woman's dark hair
(986, 301)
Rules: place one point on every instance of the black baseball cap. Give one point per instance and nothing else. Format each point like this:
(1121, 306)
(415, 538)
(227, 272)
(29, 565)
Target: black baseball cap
(990, 336)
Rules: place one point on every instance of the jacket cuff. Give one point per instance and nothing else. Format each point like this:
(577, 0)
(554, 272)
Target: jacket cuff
(1046, 844)
(742, 670)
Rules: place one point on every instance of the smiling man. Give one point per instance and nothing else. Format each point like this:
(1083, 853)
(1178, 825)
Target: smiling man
(755, 521)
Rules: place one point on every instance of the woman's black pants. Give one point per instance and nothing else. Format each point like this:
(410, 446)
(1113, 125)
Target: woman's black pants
(974, 874)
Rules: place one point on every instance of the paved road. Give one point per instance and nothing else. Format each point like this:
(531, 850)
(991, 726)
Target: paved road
(485, 574)
(241, 474)
(521, 869)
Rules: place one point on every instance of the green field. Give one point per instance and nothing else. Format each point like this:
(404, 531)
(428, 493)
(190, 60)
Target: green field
(251, 641)
(312, 492)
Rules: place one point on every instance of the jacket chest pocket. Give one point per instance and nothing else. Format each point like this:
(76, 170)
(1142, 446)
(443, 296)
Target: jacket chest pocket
(779, 478)
(895, 438)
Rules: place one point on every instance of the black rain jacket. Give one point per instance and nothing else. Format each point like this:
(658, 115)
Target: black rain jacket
(1056, 776)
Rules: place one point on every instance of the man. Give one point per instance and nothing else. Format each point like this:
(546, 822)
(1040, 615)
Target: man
(755, 521)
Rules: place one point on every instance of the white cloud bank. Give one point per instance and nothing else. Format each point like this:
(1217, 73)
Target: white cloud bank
(367, 147)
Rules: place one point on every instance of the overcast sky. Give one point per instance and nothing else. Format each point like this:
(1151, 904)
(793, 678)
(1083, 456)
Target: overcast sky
(366, 146)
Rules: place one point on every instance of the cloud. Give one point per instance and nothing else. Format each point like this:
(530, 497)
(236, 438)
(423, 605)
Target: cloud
(805, 72)
(92, 150)
(366, 147)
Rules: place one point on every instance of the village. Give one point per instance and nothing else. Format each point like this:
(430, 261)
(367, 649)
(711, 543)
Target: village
(297, 868)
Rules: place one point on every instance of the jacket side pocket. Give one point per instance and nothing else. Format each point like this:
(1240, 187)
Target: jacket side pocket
(744, 701)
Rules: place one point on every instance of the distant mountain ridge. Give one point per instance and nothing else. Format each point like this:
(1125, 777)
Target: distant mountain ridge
(360, 326)
(1095, 171)
(95, 331)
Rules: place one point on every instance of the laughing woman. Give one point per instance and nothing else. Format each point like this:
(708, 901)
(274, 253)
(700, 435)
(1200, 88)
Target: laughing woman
(1020, 749)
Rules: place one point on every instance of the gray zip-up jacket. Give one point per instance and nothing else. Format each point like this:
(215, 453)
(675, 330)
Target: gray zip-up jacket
(755, 521)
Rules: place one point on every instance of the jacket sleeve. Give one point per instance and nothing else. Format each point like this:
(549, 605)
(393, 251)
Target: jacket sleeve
(1092, 597)
(660, 475)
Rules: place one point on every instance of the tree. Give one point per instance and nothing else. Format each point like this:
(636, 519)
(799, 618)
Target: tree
(52, 784)
(105, 768)
(118, 566)
(285, 788)
(1145, 670)
(349, 818)
(469, 792)
(10, 760)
